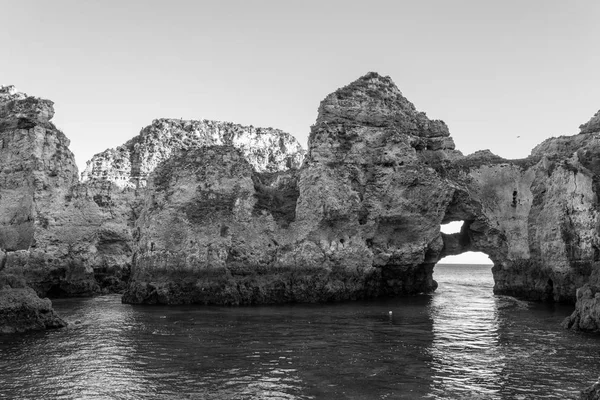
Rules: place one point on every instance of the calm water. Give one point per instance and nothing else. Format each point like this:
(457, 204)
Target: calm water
(461, 342)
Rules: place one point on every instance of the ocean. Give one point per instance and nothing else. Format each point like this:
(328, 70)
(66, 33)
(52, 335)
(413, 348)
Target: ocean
(462, 342)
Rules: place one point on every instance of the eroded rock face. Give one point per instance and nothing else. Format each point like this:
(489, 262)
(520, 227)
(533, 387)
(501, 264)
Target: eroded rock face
(593, 125)
(64, 238)
(266, 149)
(227, 218)
(21, 309)
(365, 223)
(32, 172)
(70, 238)
(535, 218)
(378, 180)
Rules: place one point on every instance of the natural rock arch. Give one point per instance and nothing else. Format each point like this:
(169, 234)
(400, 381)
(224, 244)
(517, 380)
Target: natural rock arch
(378, 179)
(360, 218)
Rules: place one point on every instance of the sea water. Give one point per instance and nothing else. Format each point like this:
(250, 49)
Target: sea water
(461, 342)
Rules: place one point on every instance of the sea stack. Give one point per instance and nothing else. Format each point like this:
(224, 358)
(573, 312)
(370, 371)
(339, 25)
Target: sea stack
(35, 168)
(361, 217)
(217, 213)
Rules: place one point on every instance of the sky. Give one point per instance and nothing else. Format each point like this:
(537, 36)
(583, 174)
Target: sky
(504, 75)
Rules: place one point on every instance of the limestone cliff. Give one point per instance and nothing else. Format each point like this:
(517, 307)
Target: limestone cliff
(64, 238)
(116, 178)
(266, 149)
(365, 220)
(230, 217)
(378, 180)
(34, 170)
(71, 238)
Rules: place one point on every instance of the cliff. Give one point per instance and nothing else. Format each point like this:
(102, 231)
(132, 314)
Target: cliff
(62, 237)
(216, 213)
(35, 167)
(58, 233)
(378, 180)
(266, 149)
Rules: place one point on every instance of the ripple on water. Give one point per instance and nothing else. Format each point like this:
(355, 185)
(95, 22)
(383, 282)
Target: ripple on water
(461, 342)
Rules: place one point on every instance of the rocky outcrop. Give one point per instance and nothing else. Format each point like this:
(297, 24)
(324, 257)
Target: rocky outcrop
(60, 235)
(535, 218)
(586, 316)
(593, 125)
(202, 233)
(360, 219)
(266, 149)
(229, 218)
(21, 310)
(378, 180)
(116, 179)
(32, 170)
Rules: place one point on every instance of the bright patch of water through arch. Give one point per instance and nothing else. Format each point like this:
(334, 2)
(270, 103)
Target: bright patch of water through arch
(466, 341)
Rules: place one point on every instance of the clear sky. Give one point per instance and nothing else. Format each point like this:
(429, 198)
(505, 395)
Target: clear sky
(504, 75)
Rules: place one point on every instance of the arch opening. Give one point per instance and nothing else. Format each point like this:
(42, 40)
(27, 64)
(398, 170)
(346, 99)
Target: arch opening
(461, 254)
(471, 268)
(467, 258)
(452, 227)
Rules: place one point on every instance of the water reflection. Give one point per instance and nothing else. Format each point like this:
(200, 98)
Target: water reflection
(461, 342)
(95, 357)
(467, 358)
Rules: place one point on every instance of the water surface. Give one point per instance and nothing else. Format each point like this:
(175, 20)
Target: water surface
(461, 342)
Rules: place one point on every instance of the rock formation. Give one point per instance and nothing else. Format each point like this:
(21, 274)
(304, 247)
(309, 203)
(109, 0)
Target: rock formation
(21, 309)
(71, 238)
(34, 170)
(68, 239)
(378, 180)
(212, 230)
(266, 149)
(229, 216)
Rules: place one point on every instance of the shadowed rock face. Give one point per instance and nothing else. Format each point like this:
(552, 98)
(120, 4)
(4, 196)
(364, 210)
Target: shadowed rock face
(21, 310)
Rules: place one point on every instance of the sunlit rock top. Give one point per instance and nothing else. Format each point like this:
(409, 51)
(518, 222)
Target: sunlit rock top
(266, 149)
